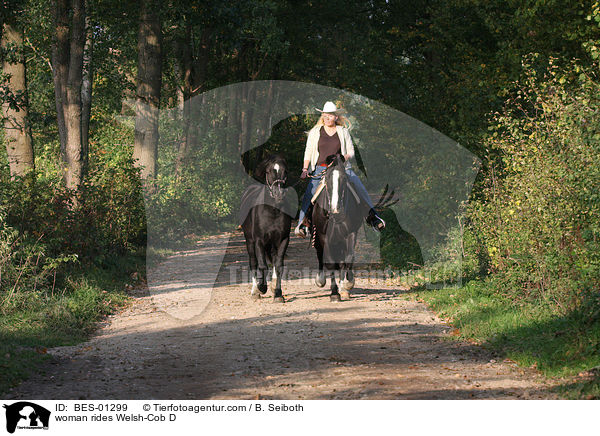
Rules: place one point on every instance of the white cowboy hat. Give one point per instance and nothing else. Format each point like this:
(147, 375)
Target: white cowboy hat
(330, 107)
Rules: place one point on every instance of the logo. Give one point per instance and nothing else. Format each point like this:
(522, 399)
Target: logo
(26, 415)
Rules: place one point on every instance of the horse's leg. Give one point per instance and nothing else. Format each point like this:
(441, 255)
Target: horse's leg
(278, 271)
(320, 278)
(261, 276)
(335, 293)
(253, 269)
(346, 271)
(349, 276)
(253, 265)
(346, 279)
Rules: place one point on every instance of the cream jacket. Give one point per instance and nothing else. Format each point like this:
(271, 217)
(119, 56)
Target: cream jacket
(311, 152)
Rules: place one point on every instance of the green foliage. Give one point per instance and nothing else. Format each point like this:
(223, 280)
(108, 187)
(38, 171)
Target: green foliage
(28, 267)
(533, 228)
(398, 248)
(112, 210)
(538, 215)
(195, 197)
(458, 259)
(108, 218)
(43, 234)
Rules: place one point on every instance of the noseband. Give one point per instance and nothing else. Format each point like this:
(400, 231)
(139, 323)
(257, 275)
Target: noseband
(279, 182)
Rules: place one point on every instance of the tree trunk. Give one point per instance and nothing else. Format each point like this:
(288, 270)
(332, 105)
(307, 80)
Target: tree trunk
(145, 147)
(17, 131)
(187, 73)
(60, 70)
(67, 64)
(74, 148)
(86, 89)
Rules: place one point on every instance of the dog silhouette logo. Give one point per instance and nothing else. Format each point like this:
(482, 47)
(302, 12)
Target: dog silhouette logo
(26, 415)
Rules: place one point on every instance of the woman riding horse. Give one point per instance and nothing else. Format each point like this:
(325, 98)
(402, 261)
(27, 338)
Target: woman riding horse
(328, 137)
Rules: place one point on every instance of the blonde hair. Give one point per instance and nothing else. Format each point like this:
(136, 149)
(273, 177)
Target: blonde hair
(341, 121)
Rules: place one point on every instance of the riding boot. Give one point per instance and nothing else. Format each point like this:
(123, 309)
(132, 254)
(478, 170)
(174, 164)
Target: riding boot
(375, 221)
(300, 231)
(303, 226)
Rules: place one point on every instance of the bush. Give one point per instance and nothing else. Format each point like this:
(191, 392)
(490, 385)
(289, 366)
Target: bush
(539, 209)
(112, 217)
(42, 231)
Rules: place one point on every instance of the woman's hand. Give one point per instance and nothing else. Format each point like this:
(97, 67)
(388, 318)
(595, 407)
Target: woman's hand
(304, 174)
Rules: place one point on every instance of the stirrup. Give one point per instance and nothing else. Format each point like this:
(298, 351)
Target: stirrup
(376, 222)
(380, 223)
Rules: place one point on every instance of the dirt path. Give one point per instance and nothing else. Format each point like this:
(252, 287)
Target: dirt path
(376, 345)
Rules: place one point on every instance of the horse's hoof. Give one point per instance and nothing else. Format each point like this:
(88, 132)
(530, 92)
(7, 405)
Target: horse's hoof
(346, 285)
(278, 299)
(345, 295)
(320, 280)
(255, 296)
(335, 297)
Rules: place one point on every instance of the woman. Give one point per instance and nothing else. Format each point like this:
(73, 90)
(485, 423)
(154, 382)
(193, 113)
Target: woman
(330, 136)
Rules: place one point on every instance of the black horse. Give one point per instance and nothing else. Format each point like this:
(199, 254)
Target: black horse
(337, 215)
(266, 214)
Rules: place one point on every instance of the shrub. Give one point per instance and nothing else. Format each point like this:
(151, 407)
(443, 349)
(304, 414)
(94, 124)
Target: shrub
(539, 208)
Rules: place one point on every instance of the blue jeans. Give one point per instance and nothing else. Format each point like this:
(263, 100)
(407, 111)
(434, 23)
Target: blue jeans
(314, 182)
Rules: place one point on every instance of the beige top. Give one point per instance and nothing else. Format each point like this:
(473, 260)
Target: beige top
(311, 152)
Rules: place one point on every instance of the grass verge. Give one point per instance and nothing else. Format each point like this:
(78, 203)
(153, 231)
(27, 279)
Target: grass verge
(66, 316)
(529, 333)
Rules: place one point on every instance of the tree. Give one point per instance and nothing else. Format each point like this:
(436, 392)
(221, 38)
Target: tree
(67, 63)
(149, 80)
(17, 131)
(86, 88)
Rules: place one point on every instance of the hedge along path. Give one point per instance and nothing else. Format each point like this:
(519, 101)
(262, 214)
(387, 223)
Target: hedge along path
(379, 344)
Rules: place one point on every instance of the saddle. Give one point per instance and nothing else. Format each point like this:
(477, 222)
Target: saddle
(322, 185)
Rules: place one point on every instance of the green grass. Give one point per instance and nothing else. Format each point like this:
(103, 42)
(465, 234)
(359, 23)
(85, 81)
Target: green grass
(67, 316)
(530, 333)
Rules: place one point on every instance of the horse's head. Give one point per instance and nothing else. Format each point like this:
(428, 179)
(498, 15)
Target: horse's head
(336, 183)
(274, 172)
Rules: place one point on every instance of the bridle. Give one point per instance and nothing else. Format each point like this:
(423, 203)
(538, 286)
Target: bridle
(279, 182)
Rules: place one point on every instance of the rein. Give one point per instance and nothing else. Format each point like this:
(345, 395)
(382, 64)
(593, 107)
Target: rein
(299, 180)
(312, 176)
(276, 181)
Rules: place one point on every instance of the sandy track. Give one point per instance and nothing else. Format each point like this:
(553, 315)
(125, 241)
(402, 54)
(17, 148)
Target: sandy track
(377, 345)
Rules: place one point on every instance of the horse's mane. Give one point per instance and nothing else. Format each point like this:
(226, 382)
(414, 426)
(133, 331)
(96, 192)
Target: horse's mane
(337, 161)
(329, 159)
(261, 168)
